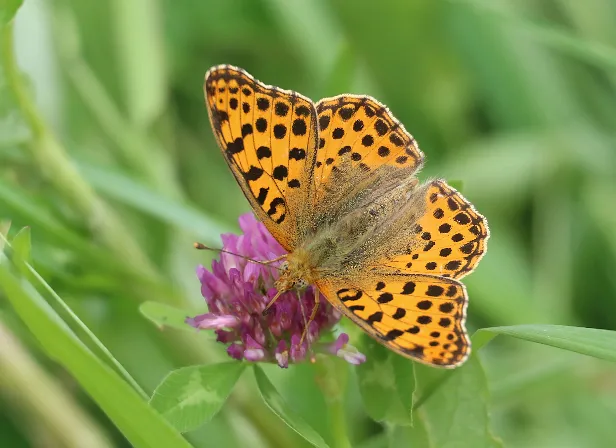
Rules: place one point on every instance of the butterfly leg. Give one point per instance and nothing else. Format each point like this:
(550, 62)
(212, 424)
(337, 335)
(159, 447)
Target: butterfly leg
(271, 302)
(313, 314)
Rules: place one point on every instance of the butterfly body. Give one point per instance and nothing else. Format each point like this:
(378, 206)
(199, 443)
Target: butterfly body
(335, 183)
(358, 228)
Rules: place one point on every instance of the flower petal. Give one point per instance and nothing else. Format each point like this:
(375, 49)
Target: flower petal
(212, 321)
(339, 344)
(252, 271)
(253, 351)
(236, 351)
(298, 352)
(254, 354)
(248, 223)
(226, 336)
(351, 355)
(282, 354)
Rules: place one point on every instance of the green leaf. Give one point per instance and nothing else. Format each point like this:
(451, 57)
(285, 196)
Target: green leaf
(21, 245)
(456, 414)
(166, 316)
(276, 403)
(587, 341)
(407, 436)
(8, 9)
(380, 440)
(139, 423)
(5, 226)
(386, 383)
(191, 396)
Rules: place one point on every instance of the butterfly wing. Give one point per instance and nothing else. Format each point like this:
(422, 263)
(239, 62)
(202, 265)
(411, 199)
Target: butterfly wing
(417, 316)
(268, 136)
(364, 130)
(450, 239)
(413, 303)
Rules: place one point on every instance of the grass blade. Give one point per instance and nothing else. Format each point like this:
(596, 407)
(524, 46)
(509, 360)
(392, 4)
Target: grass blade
(139, 423)
(587, 341)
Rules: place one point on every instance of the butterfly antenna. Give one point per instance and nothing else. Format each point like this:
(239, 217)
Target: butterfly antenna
(201, 246)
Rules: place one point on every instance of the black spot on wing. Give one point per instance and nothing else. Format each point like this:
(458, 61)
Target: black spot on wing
(323, 122)
(376, 317)
(299, 127)
(281, 109)
(263, 103)
(393, 334)
(280, 172)
(254, 173)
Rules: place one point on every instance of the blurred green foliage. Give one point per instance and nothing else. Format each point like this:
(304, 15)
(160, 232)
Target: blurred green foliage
(116, 172)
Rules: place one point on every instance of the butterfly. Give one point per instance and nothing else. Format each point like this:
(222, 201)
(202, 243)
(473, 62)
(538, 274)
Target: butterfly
(335, 183)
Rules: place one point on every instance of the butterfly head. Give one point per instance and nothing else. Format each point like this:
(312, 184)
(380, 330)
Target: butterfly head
(294, 273)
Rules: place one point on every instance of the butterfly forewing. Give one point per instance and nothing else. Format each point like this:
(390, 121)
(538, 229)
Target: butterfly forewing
(418, 316)
(268, 137)
(364, 130)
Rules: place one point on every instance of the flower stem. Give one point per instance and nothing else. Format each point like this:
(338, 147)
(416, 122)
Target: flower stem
(339, 424)
(332, 377)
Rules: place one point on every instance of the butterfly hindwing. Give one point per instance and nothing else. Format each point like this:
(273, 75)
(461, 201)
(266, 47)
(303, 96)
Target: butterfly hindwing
(363, 130)
(268, 137)
(418, 316)
(450, 238)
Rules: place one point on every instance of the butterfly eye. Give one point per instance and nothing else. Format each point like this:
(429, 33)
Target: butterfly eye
(284, 266)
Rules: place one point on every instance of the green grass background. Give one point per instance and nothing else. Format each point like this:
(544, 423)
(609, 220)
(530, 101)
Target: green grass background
(120, 173)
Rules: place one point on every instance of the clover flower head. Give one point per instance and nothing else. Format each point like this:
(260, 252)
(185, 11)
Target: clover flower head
(237, 292)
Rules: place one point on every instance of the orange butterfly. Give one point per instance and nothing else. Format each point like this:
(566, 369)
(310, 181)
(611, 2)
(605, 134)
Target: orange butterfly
(334, 182)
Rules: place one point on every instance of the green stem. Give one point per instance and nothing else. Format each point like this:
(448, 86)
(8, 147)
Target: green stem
(339, 424)
(331, 377)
